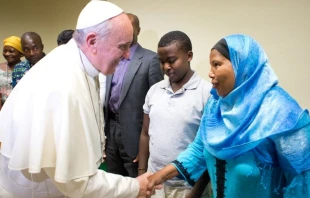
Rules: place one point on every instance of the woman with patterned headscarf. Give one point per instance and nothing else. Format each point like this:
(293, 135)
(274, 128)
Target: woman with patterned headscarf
(254, 138)
(12, 52)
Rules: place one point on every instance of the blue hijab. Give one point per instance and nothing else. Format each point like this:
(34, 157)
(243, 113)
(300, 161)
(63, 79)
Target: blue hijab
(256, 109)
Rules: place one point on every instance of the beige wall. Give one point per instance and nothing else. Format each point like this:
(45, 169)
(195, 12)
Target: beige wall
(46, 17)
(282, 28)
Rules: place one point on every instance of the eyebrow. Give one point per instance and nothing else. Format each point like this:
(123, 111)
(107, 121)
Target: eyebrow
(166, 59)
(215, 61)
(171, 57)
(124, 44)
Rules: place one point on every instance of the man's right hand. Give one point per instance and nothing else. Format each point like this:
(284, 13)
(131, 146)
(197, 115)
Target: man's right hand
(161, 176)
(144, 192)
(154, 181)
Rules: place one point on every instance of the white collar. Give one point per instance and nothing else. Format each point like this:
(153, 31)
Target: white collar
(86, 65)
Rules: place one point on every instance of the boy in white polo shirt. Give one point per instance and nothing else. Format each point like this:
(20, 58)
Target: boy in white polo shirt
(172, 111)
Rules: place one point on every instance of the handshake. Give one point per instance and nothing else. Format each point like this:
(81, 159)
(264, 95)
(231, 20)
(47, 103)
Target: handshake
(149, 182)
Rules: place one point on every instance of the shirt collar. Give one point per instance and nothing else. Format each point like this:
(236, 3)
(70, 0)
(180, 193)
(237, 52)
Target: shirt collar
(191, 84)
(86, 65)
(132, 50)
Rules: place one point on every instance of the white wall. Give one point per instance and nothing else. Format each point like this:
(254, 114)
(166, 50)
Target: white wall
(281, 27)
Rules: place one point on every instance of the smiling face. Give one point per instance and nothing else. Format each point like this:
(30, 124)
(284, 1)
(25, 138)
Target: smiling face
(111, 51)
(221, 73)
(11, 55)
(175, 62)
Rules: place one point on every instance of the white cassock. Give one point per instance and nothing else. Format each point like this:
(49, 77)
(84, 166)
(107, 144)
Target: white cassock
(51, 136)
(102, 82)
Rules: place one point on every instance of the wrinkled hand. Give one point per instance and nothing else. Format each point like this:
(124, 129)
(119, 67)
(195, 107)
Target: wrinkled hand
(144, 191)
(155, 181)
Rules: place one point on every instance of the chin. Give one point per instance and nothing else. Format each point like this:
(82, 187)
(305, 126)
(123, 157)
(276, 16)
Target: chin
(109, 71)
(173, 80)
(105, 72)
(33, 62)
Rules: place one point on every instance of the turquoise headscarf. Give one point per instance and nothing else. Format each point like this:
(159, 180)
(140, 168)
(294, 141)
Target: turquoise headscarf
(256, 109)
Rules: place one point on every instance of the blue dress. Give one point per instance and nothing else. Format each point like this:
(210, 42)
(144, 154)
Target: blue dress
(254, 142)
(246, 176)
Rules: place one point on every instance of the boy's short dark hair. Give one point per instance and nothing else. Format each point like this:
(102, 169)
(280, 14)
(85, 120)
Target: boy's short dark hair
(176, 37)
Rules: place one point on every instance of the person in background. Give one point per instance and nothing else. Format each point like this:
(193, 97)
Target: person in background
(64, 37)
(51, 126)
(12, 52)
(172, 111)
(33, 50)
(125, 94)
(254, 138)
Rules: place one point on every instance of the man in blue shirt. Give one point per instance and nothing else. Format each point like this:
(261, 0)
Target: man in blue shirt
(33, 51)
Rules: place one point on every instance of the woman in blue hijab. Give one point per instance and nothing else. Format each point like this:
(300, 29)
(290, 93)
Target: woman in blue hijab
(254, 138)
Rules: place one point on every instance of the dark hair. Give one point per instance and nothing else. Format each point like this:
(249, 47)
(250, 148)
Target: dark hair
(176, 37)
(64, 37)
(222, 47)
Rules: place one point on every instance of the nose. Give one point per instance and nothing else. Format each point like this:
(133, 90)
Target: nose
(126, 53)
(32, 52)
(211, 74)
(166, 66)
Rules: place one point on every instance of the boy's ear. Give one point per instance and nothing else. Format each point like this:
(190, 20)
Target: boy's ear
(189, 56)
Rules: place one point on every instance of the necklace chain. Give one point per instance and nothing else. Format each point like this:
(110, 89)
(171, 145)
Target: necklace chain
(98, 120)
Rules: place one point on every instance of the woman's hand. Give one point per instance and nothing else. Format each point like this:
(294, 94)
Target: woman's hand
(154, 180)
(144, 183)
(161, 176)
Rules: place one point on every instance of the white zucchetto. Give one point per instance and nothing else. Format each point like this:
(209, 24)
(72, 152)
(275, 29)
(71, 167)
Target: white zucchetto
(95, 12)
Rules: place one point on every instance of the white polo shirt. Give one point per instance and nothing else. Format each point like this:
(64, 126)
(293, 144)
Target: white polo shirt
(174, 120)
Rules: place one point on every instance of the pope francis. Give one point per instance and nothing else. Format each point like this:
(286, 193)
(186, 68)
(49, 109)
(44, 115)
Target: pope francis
(51, 126)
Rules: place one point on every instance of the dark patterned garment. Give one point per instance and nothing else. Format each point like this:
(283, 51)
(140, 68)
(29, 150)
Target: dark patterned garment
(19, 71)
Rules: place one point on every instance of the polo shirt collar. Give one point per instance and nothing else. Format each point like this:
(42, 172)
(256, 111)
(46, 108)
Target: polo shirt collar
(191, 84)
